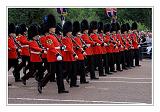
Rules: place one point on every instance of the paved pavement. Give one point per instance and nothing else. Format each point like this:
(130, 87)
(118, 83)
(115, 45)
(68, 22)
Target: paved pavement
(133, 86)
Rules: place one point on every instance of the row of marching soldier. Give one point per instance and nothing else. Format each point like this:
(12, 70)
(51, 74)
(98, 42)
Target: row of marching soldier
(49, 52)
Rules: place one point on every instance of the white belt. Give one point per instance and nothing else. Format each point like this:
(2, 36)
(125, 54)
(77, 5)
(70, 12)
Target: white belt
(24, 45)
(57, 47)
(88, 45)
(33, 52)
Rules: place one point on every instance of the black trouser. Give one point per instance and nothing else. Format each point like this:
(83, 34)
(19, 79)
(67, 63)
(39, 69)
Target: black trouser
(90, 65)
(71, 70)
(81, 70)
(128, 57)
(98, 62)
(106, 62)
(14, 63)
(46, 67)
(24, 64)
(36, 67)
(111, 61)
(131, 56)
(136, 56)
(54, 68)
(117, 60)
(123, 59)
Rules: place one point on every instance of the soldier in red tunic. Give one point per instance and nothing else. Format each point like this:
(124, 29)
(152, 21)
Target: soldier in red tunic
(54, 56)
(135, 41)
(115, 49)
(109, 55)
(97, 50)
(130, 44)
(89, 50)
(127, 45)
(12, 52)
(123, 44)
(105, 53)
(35, 55)
(24, 44)
(120, 48)
(79, 50)
(69, 55)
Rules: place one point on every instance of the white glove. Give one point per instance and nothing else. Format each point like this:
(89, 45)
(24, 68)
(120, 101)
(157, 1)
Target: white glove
(45, 52)
(105, 44)
(84, 53)
(76, 57)
(59, 58)
(98, 44)
(19, 50)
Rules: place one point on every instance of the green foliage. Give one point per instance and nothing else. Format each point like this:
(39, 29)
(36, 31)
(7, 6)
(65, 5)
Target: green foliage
(79, 14)
(140, 15)
(141, 26)
(35, 15)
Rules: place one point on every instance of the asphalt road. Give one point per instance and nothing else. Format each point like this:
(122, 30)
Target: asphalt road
(133, 86)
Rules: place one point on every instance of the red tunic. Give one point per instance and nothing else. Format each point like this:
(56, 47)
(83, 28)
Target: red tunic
(134, 40)
(103, 47)
(120, 44)
(127, 44)
(78, 51)
(68, 53)
(116, 44)
(53, 48)
(109, 49)
(35, 51)
(24, 44)
(43, 42)
(12, 54)
(89, 43)
(97, 49)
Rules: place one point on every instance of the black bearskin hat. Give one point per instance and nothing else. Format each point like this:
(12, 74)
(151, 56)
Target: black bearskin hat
(76, 28)
(134, 26)
(128, 26)
(100, 26)
(18, 30)
(84, 25)
(50, 21)
(123, 28)
(93, 25)
(113, 27)
(67, 27)
(23, 28)
(43, 29)
(107, 28)
(58, 29)
(11, 28)
(33, 30)
(118, 26)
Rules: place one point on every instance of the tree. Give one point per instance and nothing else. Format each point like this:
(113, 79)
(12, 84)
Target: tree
(35, 15)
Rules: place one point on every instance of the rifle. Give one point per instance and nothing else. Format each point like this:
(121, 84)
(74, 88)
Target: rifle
(60, 41)
(79, 47)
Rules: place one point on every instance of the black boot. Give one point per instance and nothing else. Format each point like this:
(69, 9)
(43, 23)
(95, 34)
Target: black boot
(40, 87)
(62, 91)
